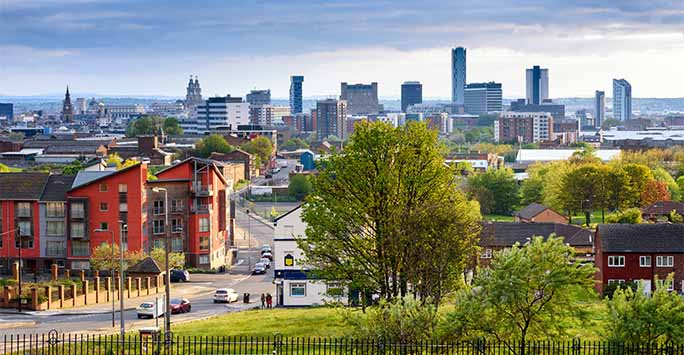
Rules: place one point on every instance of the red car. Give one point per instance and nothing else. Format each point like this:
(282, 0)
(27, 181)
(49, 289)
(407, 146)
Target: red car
(180, 305)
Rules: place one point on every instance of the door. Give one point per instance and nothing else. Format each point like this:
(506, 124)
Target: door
(646, 284)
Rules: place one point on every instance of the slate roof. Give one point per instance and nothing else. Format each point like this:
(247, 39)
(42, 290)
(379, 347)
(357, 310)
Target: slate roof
(530, 211)
(663, 208)
(145, 266)
(505, 234)
(85, 176)
(644, 238)
(22, 186)
(57, 187)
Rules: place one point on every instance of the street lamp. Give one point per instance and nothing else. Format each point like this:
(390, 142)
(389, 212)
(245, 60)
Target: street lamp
(167, 278)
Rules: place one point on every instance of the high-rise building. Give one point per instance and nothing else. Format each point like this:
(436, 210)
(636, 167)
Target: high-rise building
(622, 100)
(599, 108)
(296, 93)
(458, 75)
(259, 97)
(261, 115)
(483, 98)
(193, 95)
(537, 85)
(330, 115)
(218, 113)
(556, 110)
(361, 98)
(81, 106)
(7, 111)
(67, 108)
(523, 127)
(411, 94)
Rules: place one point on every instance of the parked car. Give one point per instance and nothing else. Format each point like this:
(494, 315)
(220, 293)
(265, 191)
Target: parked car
(267, 255)
(275, 170)
(178, 275)
(151, 309)
(266, 262)
(259, 268)
(227, 295)
(180, 305)
(266, 248)
(268, 175)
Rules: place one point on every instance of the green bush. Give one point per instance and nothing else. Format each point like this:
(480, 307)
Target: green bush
(630, 215)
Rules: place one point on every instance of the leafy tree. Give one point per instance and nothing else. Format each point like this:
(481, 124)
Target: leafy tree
(634, 317)
(378, 209)
(495, 189)
(584, 189)
(527, 292)
(172, 126)
(213, 143)
(114, 158)
(176, 260)
(300, 186)
(661, 175)
(630, 215)
(72, 168)
(653, 192)
(294, 144)
(261, 147)
(637, 176)
(616, 187)
(151, 124)
(464, 168)
(532, 190)
(106, 257)
(674, 217)
(5, 169)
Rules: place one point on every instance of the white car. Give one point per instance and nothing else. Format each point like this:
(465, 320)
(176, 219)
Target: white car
(150, 309)
(227, 295)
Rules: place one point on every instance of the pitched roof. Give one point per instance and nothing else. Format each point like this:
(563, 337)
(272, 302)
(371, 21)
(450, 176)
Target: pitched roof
(145, 266)
(213, 163)
(86, 176)
(664, 207)
(646, 238)
(505, 234)
(275, 221)
(530, 211)
(57, 187)
(22, 186)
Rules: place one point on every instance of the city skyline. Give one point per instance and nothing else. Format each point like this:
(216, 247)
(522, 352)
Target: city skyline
(125, 48)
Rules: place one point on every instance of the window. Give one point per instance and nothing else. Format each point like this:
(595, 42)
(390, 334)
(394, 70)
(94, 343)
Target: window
(24, 227)
(158, 226)
(298, 289)
(176, 226)
(204, 224)
(26, 243)
(104, 226)
(55, 209)
(664, 261)
(123, 207)
(158, 207)
(204, 243)
(23, 209)
(176, 205)
(159, 243)
(103, 187)
(487, 254)
(612, 281)
(77, 210)
(104, 206)
(204, 259)
(80, 265)
(176, 245)
(645, 261)
(123, 188)
(669, 284)
(54, 249)
(77, 230)
(79, 248)
(616, 261)
(55, 227)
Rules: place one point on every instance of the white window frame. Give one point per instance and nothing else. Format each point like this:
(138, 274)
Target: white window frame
(642, 261)
(204, 257)
(664, 261)
(486, 254)
(50, 231)
(158, 227)
(204, 227)
(619, 281)
(298, 285)
(670, 287)
(614, 261)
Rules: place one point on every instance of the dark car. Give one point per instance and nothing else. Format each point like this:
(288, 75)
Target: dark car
(259, 268)
(180, 305)
(179, 275)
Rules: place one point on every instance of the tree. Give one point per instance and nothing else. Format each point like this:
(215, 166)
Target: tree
(5, 169)
(212, 143)
(630, 215)
(660, 174)
(584, 189)
(636, 318)
(106, 257)
(294, 144)
(172, 126)
(495, 189)
(299, 187)
(73, 168)
(176, 260)
(527, 292)
(637, 176)
(261, 147)
(653, 192)
(379, 208)
(151, 125)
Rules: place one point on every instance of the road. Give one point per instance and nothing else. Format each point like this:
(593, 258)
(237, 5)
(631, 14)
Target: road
(199, 291)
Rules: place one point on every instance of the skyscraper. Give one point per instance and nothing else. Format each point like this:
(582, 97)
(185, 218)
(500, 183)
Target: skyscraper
(7, 111)
(483, 98)
(411, 93)
(599, 108)
(622, 100)
(330, 115)
(296, 93)
(458, 75)
(360, 98)
(259, 97)
(537, 85)
(67, 108)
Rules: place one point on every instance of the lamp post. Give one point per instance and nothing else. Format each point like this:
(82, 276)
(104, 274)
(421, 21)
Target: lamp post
(111, 273)
(121, 288)
(167, 278)
(17, 234)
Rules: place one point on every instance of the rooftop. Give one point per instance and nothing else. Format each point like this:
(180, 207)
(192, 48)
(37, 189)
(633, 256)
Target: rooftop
(644, 238)
(506, 234)
(22, 186)
(543, 155)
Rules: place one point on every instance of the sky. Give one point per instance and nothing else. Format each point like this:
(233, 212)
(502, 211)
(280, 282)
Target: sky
(134, 47)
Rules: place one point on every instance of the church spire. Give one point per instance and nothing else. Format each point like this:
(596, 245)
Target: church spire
(67, 108)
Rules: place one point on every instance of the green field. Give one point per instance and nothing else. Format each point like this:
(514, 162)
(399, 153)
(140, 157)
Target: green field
(497, 218)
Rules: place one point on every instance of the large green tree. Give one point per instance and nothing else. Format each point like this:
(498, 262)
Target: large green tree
(495, 189)
(384, 204)
(151, 124)
(299, 187)
(527, 292)
(585, 189)
(213, 143)
(637, 176)
(294, 144)
(261, 147)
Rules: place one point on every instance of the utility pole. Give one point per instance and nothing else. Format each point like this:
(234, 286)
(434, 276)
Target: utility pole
(17, 234)
(121, 288)
(167, 278)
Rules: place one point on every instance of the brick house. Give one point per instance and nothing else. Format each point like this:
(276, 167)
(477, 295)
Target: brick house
(640, 253)
(535, 212)
(53, 221)
(662, 208)
(238, 156)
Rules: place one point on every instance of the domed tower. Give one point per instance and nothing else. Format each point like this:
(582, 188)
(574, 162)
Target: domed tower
(193, 95)
(67, 108)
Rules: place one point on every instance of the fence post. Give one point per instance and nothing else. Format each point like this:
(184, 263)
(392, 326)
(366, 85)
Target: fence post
(128, 287)
(48, 294)
(61, 296)
(97, 289)
(54, 271)
(85, 290)
(73, 295)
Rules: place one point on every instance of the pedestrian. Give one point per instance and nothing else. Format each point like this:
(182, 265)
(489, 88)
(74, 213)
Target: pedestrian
(269, 301)
(263, 301)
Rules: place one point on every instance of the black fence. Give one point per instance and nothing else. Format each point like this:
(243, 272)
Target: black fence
(54, 344)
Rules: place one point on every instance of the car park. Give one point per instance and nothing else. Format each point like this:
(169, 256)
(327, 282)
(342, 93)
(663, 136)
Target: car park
(225, 295)
(180, 305)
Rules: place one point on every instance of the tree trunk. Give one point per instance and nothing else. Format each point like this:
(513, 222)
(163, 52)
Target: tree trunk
(587, 216)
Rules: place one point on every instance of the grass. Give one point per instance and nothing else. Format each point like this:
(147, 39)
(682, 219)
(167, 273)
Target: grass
(579, 218)
(497, 218)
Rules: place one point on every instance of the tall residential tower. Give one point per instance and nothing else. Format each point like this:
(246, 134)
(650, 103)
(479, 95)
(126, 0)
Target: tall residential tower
(600, 108)
(296, 94)
(622, 100)
(458, 75)
(411, 94)
(537, 85)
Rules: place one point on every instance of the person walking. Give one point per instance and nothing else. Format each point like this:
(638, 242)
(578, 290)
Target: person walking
(263, 301)
(269, 301)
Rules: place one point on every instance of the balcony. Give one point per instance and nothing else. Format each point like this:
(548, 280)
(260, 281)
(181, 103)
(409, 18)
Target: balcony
(201, 209)
(55, 252)
(201, 190)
